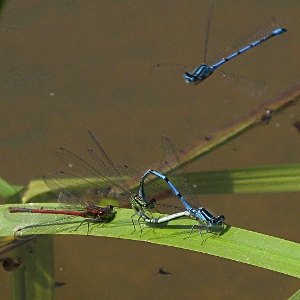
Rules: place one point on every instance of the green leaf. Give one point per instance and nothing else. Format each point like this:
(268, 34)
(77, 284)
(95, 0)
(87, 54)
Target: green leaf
(34, 279)
(37, 191)
(10, 193)
(263, 179)
(296, 296)
(233, 243)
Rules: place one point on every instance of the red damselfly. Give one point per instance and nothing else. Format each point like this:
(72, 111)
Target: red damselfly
(34, 219)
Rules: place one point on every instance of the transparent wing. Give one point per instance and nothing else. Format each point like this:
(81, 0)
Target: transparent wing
(242, 84)
(105, 171)
(177, 174)
(154, 190)
(106, 167)
(75, 163)
(83, 168)
(73, 189)
(65, 198)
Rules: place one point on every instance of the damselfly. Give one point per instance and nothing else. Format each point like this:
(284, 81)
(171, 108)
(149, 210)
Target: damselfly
(71, 206)
(198, 74)
(106, 171)
(156, 191)
(190, 201)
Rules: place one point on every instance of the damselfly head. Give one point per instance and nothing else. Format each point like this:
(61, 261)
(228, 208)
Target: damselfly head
(190, 78)
(219, 220)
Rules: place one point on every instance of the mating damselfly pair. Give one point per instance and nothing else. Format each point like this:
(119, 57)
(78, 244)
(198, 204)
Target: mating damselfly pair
(75, 189)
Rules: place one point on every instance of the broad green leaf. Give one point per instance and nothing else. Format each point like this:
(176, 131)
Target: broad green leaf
(233, 243)
(263, 179)
(280, 178)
